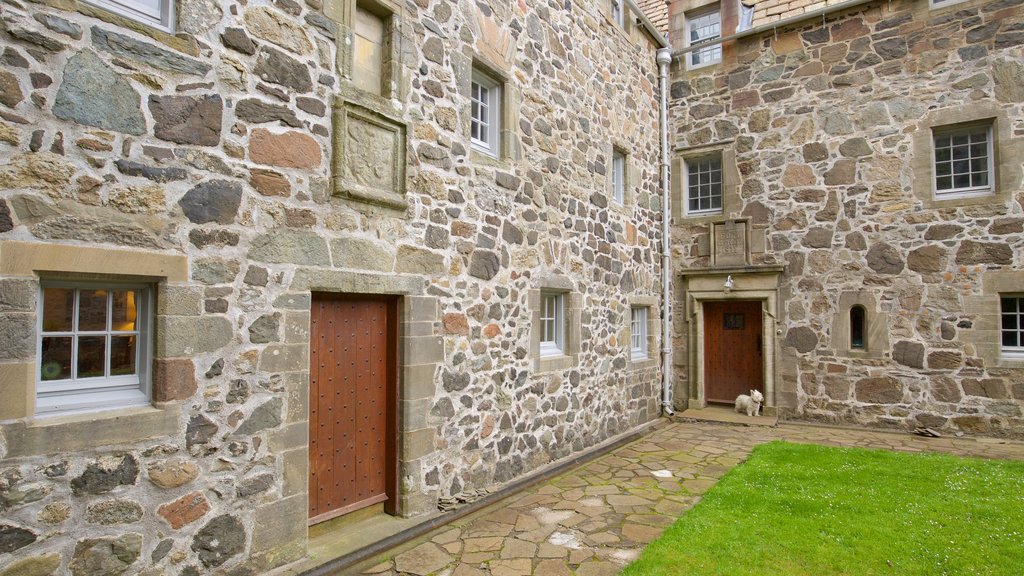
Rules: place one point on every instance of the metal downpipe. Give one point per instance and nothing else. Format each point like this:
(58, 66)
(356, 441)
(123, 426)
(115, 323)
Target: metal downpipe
(664, 61)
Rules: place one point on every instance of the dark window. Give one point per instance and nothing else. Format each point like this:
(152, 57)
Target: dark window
(857, 327)
(1012, 309)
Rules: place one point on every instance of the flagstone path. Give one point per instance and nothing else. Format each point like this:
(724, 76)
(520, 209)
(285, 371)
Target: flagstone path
(594, 520)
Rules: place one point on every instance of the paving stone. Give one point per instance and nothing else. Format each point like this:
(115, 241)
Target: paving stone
(423, 560)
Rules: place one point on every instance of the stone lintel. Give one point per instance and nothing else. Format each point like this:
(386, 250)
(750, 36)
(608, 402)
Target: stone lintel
(31, 258)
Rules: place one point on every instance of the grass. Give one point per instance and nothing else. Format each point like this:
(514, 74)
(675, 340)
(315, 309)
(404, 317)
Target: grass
(795, 509)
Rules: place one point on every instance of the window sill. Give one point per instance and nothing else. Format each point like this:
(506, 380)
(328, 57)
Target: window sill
(39, 436)
(555, 363)
(481, 158)
(642, 363)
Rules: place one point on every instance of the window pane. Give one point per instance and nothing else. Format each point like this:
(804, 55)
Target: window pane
(962, 181)
(92, 310)
(943, 169)
(942, 154)
(122, 355)
(1009, 321)
(1010, 339)
(58, 309)
(1008, 305)
(124, 311)
(92, 352)
(944, 183)
(55, 358)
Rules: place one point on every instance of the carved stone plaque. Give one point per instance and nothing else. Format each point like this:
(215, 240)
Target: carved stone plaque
(369, 157)
(730, 241)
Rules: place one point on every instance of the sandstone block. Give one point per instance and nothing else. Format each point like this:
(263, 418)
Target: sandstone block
(803, 338)
(184, 510)
(361, 254)
(114, 512)
(212, 201)
(945, 360)
(413, 260)
(290, 149)
(237, 40)
(128, 47)
(885, 259)
(172, 473)
(909, 353)
(10, 89)
(277, 67)
(173, 379)
(927, 259)
(107, 473)
(105, 556)
(994, 388)
(974, 252)
(269, 183)
(188, 119)
(288, 247)
(879, 390)
(272, 26)
(46, 565)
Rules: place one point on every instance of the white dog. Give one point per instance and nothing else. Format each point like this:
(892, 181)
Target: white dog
(750, 404)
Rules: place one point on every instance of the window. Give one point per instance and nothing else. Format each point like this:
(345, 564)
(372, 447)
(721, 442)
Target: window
(704, 185)
(702, 28)
(963, 161)
(857, 328)
(618, 177)
(638, 333)
(618, 12)
(1012, 325)
(552, 324)
(943, 3)
(485, 128)
(156, 13)
(93, 347)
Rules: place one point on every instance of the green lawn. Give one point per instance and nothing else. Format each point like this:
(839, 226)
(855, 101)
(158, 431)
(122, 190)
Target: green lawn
(794, 509)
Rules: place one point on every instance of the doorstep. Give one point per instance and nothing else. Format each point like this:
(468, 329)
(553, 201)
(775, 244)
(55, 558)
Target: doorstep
(727, 415)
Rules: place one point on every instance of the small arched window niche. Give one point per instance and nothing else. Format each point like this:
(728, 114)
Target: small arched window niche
(858, 332)
(860, 329)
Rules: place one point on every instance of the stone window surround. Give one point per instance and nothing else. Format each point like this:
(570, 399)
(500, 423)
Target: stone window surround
(164, 22)
(630, 180)
(28, 435)
(165, 37)
(508, 123)
(696, 12)
(573, 322)
(396, 19)
(941, 4)
(732, 204)
(876, 326)
(1006, 149)
(750, 283)
(985, 335)
(420, 350)
(653, 305)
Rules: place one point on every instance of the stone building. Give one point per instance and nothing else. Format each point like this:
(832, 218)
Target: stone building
(201, 199)
(854, 171)
(207, 206)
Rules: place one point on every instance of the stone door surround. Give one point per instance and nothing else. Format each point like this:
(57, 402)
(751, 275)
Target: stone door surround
(708, 285)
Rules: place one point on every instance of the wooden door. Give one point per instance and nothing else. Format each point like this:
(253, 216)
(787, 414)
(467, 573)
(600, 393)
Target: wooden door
(353, 405)
(733, 350)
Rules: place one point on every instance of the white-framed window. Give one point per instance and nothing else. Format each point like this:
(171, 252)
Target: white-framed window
(158, 14)
(485, 118)
(962, 160)
(703, 185)
(1011, 312)
(552, 324)
(702, 28)
(943, 3)
(93, 346)
(618, 176)
(638, 333)
(619, 12)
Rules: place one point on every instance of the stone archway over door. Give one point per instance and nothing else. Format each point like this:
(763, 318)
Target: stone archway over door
(733, 349)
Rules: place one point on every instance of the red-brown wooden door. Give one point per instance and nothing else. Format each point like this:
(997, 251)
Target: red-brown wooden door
(352, 408)
(733, 350)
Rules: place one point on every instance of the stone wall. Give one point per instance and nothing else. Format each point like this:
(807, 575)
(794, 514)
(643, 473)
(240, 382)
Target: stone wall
(830, 125)
(216, 151)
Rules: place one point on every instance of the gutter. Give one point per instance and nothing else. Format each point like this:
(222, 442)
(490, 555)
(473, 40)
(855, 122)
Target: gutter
(773, 25)
(646, 23)
(664, 62)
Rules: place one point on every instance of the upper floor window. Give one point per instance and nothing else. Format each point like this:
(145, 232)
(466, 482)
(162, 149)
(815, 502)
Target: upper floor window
(638, 333)
(552, 324)
(963, 160)
(93, 346)
(619, 12)
(485, 117)
(368, 56)
(158, 14)
(702, 28)
(1012, 325)
(618, 177)
(703, 182)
